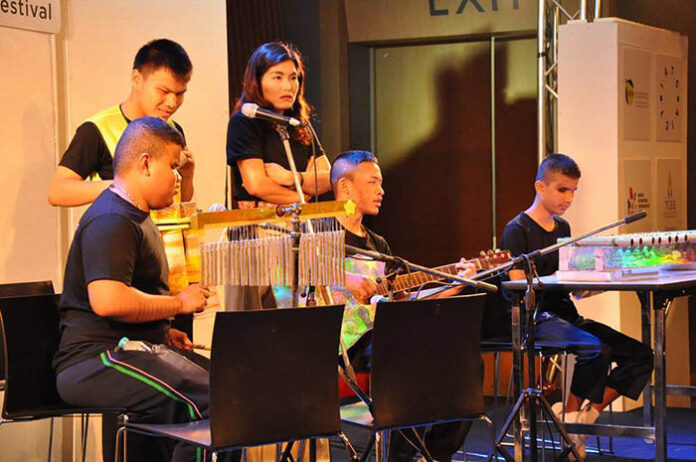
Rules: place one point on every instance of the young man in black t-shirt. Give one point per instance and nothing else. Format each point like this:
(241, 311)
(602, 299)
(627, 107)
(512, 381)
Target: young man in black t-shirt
(356, 175)
(559, 324)
(160, 76)
(116, 288)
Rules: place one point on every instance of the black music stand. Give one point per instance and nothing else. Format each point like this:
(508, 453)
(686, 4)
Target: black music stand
(425, 366)
(273, 378)
(531, 396)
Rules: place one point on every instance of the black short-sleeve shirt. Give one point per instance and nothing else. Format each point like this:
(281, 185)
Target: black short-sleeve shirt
(257, 139)
(114, 241)
(523, 235)
(371, 241)
(88, 153)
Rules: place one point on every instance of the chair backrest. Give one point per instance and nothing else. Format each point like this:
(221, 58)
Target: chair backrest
(18, 289)
(30, 335)
(274, 375)
(426, 361)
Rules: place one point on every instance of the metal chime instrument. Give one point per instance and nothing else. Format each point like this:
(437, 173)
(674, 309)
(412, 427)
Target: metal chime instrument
(262, 254)
(294, 245)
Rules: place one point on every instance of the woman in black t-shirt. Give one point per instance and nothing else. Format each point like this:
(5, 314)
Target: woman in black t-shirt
(273, 79)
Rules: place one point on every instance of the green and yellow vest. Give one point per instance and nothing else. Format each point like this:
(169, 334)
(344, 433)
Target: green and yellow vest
(111, 124)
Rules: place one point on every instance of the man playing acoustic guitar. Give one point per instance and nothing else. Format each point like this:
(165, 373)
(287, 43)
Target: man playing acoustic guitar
(356, 175)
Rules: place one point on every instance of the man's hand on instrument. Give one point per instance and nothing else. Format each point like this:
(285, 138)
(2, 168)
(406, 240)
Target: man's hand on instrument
(187, 164)
(363, 287)
(465, 269)
(179, 339)
(193, 299)
(279, 174)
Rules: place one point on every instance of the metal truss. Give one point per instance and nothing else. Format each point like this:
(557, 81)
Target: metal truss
(551, 14)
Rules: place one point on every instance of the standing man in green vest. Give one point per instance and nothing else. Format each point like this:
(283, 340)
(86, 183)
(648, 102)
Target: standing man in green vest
(161, 72)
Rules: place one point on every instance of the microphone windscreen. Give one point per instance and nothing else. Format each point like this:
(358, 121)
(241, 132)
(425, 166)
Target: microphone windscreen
(217, 207)
(249, 109)
(635, 217)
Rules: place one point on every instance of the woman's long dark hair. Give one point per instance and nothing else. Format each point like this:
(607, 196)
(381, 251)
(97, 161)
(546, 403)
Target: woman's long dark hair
(264, 57)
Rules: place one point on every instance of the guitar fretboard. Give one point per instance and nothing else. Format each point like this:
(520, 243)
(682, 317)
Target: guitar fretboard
(409, 281)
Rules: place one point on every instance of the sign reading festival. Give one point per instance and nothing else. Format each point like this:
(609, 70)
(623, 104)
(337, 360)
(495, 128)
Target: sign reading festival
(34, 15)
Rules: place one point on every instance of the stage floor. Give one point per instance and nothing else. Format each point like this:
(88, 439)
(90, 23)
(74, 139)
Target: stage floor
(681, 432)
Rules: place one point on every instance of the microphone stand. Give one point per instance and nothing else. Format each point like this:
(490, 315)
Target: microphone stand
(349, 375)
(414, 267)
(531, 396)
(347, 372)
(285, 138)
(314, 156)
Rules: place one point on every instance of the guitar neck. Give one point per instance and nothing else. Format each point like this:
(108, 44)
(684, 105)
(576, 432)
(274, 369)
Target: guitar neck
(408, 281)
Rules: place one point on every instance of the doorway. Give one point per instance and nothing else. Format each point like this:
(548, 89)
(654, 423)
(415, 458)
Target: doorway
(454, 128)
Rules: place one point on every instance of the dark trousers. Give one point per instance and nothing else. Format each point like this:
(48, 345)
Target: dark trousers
(143, 447)
(442, 440)
(597, 346)
(159, 387)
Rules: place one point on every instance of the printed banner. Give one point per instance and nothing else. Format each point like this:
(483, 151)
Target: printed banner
(34, 15)
(396, 20)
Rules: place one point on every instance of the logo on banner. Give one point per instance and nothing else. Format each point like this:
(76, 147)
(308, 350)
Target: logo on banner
(670, 203)
(637, 201)
(630, 92)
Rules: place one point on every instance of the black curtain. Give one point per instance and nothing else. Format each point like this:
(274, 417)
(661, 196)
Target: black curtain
(249, 24)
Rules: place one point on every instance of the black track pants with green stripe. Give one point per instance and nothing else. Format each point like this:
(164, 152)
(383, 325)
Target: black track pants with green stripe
(158, 387)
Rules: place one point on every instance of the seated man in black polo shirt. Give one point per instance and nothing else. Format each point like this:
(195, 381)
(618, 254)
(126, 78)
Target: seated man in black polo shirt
(356, 175)
(559, 324)
(116, 289)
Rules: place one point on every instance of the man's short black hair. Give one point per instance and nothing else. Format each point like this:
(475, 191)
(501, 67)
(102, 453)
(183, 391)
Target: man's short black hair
(163, 53)
(348, 161)
(146, 134)
(558, 163)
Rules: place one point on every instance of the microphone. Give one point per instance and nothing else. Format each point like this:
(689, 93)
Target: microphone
(635, 217)
(372, 254)
(217, 207)
(253, 111)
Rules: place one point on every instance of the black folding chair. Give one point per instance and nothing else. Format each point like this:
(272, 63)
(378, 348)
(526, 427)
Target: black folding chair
(273, 378)
(31, 335)
(425, 369)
